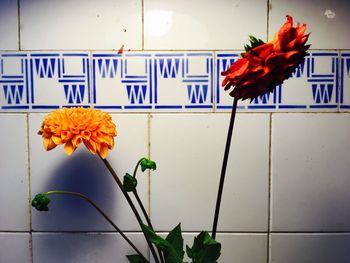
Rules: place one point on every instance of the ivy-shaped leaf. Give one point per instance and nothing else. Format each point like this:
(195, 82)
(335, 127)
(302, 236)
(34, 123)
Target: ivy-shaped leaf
(40, 202)
(129, 183)
(170, 252)
(147, 164)
(175, 239)
(204, 250)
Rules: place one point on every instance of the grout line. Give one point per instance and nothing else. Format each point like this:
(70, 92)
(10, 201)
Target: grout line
(149, 157)
(19, 24)
(29, 215)
(268, 20)
(184, 231)
(143, 25)
(269, 216)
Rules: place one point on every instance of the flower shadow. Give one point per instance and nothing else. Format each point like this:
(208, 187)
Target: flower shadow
(85, 174)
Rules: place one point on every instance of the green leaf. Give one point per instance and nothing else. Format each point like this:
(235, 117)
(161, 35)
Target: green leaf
(40, 202)
(171, 255)
(254, 42)
(129, 183)
(136, 259)
(205, 249)
(175, 239)
(147, 164)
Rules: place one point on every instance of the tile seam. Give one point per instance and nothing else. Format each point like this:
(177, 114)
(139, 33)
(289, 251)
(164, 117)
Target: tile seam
(269, 216)
(29, 215)
(19, 24)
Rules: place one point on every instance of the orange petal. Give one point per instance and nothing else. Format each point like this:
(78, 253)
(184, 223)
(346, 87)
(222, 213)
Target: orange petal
(69, 148)
(49, 144)
(103, 152)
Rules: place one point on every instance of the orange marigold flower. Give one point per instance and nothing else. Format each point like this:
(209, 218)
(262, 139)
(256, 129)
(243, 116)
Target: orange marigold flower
(72, 126)
(266, 65)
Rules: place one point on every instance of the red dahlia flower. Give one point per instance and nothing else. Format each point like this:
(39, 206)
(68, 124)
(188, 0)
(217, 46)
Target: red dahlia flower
(266, 65)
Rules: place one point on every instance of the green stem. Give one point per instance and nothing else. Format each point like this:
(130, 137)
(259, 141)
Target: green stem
(137, 166)
(148, 220)
(133, 208)
(101, 212)
(144, 210)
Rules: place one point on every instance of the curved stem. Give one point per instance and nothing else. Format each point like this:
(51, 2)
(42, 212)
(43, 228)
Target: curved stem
(101, 212)
(224, 165)
(133, 208)
(137, 166)
(162, 260)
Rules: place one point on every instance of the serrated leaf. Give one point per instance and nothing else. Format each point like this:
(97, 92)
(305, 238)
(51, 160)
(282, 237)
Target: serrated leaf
(129, 183)
(171, 255)
(175, 239)
(205, 249)
(136, 259)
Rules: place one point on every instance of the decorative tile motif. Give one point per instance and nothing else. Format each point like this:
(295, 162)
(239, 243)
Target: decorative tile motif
(313, 86)
(344, 99)
(59, 80)
(149, 81)
(160, 82)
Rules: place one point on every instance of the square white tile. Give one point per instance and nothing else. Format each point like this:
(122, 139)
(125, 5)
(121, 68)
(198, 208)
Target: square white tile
(242, 248)
(326, 20)
(188, 149)
(9, 25)
(310, 172)
(86, 173)
(14, 247)
(85, 247)
(310, 248)
(84, 24)
(13, 170)
(203, 25)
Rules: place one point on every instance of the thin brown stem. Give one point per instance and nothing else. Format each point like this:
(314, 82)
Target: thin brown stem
(223, 169)
(133, 208)
(102, 213)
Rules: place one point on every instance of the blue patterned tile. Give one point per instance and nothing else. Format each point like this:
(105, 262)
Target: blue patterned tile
(122, 81)
(312, 87)
(14, 87)
(59, 80)
(138, 81)
(160, 82)
(344, 94)
(183, 81)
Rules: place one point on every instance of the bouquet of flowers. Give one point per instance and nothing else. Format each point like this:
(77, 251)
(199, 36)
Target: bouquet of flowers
(261, 67)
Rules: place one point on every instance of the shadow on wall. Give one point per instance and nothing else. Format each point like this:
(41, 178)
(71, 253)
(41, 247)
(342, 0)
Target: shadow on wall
(84, 173)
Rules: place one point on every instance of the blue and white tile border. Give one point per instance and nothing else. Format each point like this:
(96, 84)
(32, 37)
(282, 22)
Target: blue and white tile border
(161, 82)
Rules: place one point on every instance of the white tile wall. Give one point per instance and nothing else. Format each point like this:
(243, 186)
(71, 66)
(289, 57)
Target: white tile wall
(13, 173)
(83, 24)
(202, 24)
(310, 172)
(14, 247)
(285, 197)
(189, 150)
(85, 247)
(8, 25)
(326, 20)
(310, 248)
